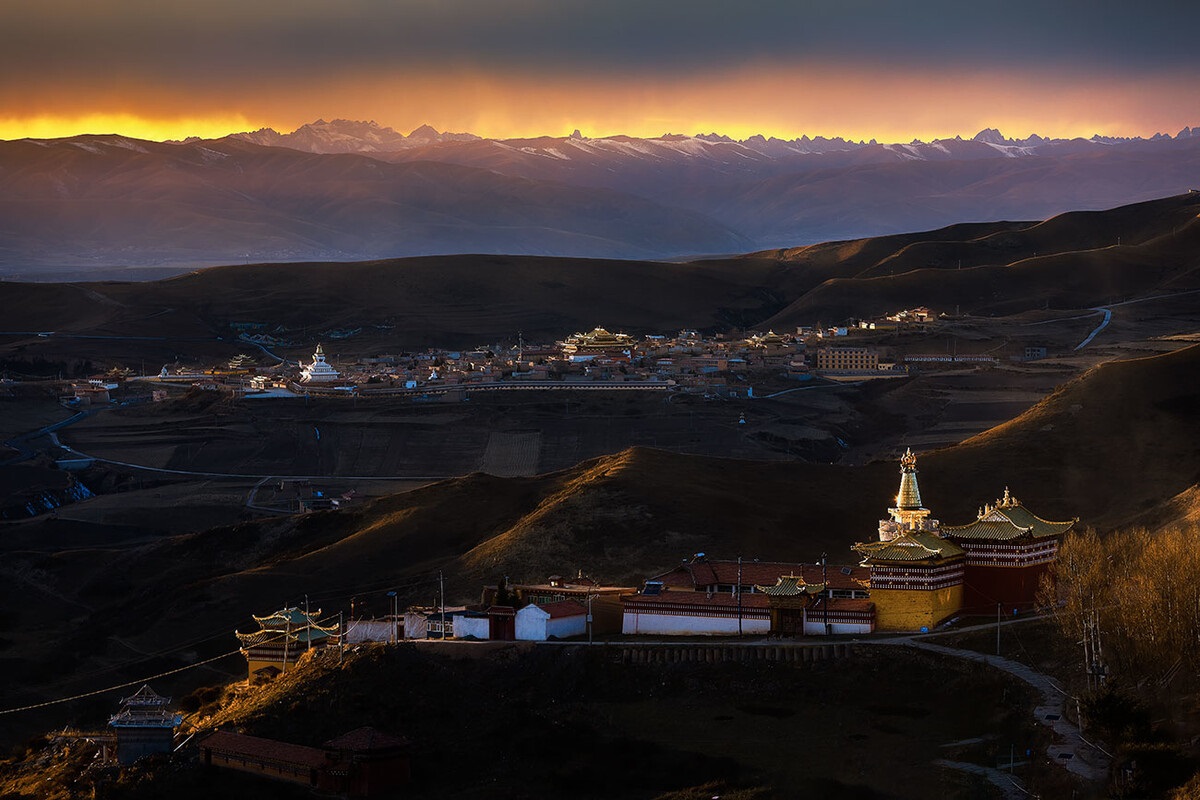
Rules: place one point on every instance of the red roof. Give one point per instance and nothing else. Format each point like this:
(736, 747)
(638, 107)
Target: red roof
(761, 573)
(563, 608)
(698, 599)
(240, 744)
(366, 739)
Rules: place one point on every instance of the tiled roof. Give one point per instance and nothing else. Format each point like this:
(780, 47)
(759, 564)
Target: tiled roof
(791, 586)
(994, 530)
(910, 546)
(760, 573)
(366, 739)
(843, 604)
(699, 599)
(239, 744)
(1008, 520)
(563, 608)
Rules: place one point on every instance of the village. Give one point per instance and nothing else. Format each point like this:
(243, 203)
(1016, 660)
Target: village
(914, 576)
(714, 366)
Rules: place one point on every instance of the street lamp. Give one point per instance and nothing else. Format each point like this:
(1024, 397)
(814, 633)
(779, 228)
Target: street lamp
(392, 605)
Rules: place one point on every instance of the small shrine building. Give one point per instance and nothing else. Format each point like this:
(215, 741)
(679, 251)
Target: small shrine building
(282, 638)
(145, 725)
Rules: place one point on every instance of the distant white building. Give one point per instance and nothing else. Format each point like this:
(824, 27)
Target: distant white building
(320, 370)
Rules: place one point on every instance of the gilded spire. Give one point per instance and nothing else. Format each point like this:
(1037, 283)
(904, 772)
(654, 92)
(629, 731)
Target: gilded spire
(909, 496)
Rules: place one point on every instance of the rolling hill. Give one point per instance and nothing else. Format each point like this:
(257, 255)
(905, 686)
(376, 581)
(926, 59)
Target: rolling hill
(1075, 260)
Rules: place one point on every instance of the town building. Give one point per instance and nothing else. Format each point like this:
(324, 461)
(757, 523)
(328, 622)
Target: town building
(847, 359)
(559, 620)
(362, 763)
(705, 596)
(604, 602)
(320, 370)
(145, 725)
(282, 638)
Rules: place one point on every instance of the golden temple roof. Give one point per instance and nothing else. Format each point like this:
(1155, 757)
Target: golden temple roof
(1007, 519)
(911, 546)
(288, 624)
(791, 586)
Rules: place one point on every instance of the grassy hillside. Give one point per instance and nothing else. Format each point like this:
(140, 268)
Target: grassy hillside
(1070, 261)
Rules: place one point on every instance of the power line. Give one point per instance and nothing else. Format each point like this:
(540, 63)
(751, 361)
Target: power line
(147, 679)
(118, 686)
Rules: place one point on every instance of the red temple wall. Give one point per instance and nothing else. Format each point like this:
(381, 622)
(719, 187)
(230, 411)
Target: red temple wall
(1012, 587)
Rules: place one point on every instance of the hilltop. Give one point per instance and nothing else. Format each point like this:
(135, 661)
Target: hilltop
(1075, 260)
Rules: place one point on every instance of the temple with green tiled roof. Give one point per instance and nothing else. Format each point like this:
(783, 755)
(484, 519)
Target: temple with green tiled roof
(281, 638)
(1008, 549)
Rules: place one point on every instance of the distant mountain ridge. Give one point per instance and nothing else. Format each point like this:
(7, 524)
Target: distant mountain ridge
(345, 190)
(351, 136)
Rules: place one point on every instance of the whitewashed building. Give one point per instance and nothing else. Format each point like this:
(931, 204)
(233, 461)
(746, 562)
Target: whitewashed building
(471, 625)
(560, 620)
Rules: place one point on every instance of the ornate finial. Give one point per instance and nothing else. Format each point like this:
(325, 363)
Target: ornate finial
(1007, 501)
(908, 460)
(981, 512)
(319, 350)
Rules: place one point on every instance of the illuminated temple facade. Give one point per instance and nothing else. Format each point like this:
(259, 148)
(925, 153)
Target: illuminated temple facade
(923, 572)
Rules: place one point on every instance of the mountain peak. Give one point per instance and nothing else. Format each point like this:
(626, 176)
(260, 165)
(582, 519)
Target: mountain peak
(989, 136)
(425, 132)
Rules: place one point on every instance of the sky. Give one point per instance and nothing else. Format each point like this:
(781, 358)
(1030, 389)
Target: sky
(862, 69)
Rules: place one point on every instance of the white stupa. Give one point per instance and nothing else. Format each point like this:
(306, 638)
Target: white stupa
(320, 370)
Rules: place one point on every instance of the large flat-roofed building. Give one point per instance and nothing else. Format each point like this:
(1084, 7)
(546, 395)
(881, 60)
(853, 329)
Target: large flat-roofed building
(847, 359)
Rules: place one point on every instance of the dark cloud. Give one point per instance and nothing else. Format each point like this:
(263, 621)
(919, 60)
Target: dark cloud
(216, 42)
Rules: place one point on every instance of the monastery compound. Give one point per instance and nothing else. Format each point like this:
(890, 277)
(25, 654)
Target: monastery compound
(915, 575)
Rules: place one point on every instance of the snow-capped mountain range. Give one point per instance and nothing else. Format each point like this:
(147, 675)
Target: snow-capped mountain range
(344, 190)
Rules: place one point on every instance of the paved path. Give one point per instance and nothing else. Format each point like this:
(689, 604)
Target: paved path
(1074, 752)
(1107, 312)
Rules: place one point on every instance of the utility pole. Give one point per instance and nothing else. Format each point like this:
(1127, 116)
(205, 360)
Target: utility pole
(738, 589)
(442, 592)
(590, 597)
(997, 628)
(392, 607)
(825, 589)
(341, 637)
(307, 624)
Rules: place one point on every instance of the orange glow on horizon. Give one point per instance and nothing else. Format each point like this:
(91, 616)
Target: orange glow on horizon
(818, 100)
(133, 125)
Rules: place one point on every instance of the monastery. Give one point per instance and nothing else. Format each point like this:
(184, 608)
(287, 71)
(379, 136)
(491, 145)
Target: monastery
(918, 574)
(597, 343)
